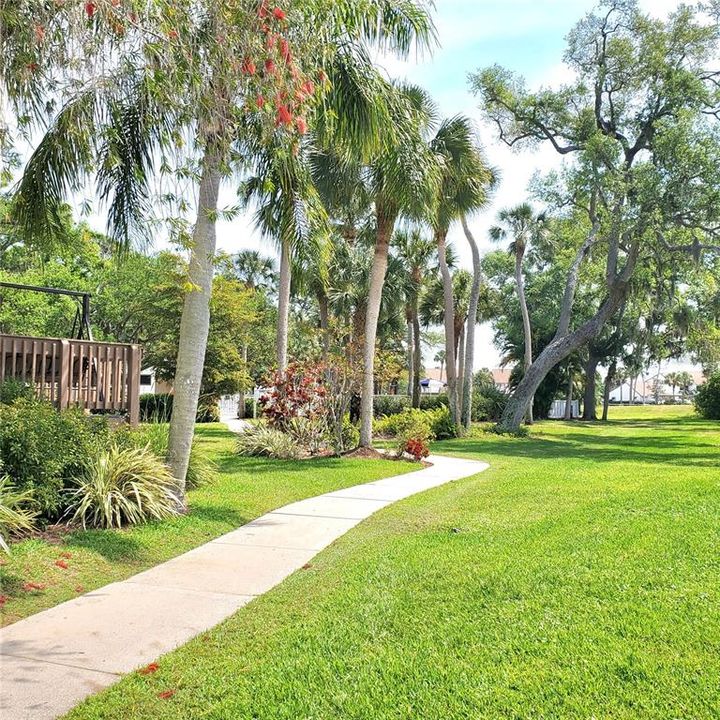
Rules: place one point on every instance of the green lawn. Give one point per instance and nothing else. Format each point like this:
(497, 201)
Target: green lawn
(579, 577)
(246, 488)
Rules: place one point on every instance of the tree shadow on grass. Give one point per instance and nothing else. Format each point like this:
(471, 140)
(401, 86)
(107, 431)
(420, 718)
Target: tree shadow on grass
(224, 514)
(113, 545)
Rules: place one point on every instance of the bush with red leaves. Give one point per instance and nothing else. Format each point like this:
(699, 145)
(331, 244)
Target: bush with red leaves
(417, 447)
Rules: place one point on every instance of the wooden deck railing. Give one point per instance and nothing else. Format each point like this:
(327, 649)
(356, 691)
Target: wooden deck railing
(96, 376)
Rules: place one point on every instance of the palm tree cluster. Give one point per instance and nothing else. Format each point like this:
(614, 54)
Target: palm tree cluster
(355, 178)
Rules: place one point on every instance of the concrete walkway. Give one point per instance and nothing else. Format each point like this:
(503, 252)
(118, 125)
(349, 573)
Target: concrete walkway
(52, 660)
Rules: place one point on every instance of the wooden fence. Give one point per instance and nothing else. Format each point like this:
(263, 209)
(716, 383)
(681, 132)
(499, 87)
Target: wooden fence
(95, 376)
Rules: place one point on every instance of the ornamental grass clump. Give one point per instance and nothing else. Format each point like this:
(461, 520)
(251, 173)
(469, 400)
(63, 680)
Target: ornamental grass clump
(17, 514)
(261, 440)
(123, 486)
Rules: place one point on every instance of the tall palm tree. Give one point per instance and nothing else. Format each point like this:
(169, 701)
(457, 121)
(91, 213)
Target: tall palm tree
(523, 225)
(416, 252)
(465, 179)
(122, 128)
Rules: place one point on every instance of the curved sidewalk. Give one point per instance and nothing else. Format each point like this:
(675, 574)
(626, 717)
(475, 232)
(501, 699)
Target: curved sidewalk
(51, 661)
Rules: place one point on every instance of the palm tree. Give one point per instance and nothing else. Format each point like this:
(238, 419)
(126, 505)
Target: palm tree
(440, 357)
(523, 225)
(122, 128)
(465, 178)
(253, 270)
(415, 252)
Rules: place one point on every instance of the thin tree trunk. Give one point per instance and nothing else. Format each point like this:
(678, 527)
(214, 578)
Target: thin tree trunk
(569, 396)
(590, 398)
(417, 356)
(324, 325)
(241, 401)
(442, 368)
(607, 389)
(527, 328)
(467, 378)
(281, 347)
(461, 364)
(410, 356)
(449, 318)
(194, 325)
(385, 227)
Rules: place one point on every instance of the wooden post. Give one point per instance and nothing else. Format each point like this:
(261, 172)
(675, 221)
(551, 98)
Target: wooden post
(64, 379)
(133, 380)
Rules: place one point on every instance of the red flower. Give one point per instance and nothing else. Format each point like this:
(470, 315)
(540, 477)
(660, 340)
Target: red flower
(149, 669)
(3, 599)
(39, 33)
(262, 10)
(285, 50)
(248, 66)
(270, 66)
(302, 127)
(322, 77)
(279, 14)
(260, 102)
(90, 8)
(173, 34)
(309, 87)
(33, 67)
(166, 694)
(270, 42)
(283, 116)
(61, 564)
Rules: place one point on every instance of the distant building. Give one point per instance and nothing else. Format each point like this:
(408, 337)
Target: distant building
(149, 383)
(501, 378)
(433, 382)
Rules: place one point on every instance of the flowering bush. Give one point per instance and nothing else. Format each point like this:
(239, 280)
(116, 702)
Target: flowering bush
(299, 392)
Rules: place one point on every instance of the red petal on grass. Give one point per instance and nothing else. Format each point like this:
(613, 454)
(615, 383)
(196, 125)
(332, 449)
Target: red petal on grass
(80, 589)
(31, 586)
(166, 694)
(306, 566)
(149, 669)
(3, 599)
(61, 564)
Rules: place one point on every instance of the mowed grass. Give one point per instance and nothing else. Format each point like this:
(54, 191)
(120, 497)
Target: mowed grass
(245, 489)
(579, 577)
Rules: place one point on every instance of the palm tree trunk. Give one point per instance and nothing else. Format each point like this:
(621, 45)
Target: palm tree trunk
(241, 401)
(410, 356)
(467, 378)
(194, 325)
(324, 325)
(461, 364)
(527, 329)
(417, 355)
(449, 318)
(283, 307)
(385, 225)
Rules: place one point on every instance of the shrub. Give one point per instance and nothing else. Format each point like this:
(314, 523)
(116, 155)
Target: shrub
(157, 408)
(261, 440)
(707, 398)
(42, 449)
(384, 405)
(414, 434)
(350, 438)
(13, 389)
(438, 421)
(488, 404)
(433, 402)
(308, 433)
(201, 469)
(122, 486)
(297, 392)
(16, 512)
